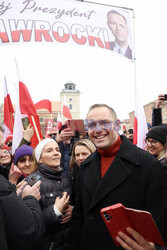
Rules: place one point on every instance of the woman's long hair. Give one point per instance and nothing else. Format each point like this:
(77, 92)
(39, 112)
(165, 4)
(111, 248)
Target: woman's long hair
(83, 142)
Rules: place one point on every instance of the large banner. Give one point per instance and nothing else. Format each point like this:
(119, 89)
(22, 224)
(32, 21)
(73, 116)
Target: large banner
(67, 21)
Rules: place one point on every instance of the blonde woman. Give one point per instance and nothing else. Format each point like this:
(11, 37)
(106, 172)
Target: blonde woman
(81, 150)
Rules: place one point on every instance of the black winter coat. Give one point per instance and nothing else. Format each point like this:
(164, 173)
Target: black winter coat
(74, 179)
(23, 219)
(53, 184)
(135, 179)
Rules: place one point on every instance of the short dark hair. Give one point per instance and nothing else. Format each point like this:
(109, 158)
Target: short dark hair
(112, 111)
(117, 13)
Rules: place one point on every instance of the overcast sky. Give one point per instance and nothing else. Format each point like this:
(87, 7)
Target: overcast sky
(45, 69)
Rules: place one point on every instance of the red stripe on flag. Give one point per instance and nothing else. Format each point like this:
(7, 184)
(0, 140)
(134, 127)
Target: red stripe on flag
(27, 107)
(8, 113)
(66, 112)
(26, 103)
(44, 104)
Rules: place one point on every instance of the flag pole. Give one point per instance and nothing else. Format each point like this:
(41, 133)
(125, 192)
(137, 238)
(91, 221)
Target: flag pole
(35, 127)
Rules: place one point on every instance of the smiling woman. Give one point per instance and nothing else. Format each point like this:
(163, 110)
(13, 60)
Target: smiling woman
(156, 142)
(5, 156)
(55, 194)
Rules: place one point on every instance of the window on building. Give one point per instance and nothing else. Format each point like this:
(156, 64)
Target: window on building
(41, 119)
(55, 119)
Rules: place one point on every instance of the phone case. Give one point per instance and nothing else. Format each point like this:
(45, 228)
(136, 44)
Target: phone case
(25, 122)
(77, 125)
(32, 179)
(118, 218)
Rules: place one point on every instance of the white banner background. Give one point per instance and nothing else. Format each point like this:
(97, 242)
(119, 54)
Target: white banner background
(58, 21)
(100, 74)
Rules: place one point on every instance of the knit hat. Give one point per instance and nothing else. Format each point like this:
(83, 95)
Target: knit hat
(5, 147)
(40, 146)
(158, 133)
(149, 125)
(9, 137)
(21, 151)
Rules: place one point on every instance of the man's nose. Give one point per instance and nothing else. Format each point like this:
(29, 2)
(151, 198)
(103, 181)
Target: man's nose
(98, 127)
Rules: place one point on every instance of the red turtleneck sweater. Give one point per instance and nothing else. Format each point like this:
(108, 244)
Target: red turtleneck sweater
(107, 156)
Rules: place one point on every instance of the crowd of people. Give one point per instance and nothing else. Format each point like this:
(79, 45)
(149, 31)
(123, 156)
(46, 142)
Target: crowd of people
(51, 196)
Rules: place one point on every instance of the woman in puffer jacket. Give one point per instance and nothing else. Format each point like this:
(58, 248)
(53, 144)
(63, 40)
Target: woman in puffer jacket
(55, 194)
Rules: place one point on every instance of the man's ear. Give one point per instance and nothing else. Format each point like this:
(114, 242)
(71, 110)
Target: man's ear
(117, 125)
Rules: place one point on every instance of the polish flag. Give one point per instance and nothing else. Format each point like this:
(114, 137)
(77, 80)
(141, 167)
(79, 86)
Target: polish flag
(124, 126)
(44, 104)
(8, 112)
(25, 108)
(140, 125)
(66, 110)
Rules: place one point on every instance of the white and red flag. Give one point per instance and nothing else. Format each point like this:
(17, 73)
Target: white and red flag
(124, 127)
(25, 108)
(8, 112)
(66, 110)
(44, 104)
(140, 125)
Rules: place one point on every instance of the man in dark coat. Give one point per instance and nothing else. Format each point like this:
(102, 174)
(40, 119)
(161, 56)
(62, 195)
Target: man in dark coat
(117, 172)
(119, 28)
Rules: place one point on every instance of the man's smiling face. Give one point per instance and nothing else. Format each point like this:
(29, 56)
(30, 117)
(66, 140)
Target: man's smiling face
(101, 127)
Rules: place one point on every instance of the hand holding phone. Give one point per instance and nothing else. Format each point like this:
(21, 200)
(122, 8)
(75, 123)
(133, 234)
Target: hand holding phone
(34, 191)
(164, 98)
(32, 179)
(77, 125)
(25, 122)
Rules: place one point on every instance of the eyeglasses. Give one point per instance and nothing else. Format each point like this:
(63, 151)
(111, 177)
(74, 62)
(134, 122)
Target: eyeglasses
(152, 142)
(100, 125)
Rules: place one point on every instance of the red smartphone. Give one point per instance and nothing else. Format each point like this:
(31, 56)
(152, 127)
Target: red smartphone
(77, 125)
(118, 217)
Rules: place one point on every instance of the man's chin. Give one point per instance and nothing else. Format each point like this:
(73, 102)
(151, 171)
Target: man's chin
(101, 146)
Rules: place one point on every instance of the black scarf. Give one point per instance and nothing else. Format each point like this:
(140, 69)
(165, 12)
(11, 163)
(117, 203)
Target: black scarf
(50, 173)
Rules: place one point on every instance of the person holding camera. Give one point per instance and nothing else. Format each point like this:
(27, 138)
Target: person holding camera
(157, 111)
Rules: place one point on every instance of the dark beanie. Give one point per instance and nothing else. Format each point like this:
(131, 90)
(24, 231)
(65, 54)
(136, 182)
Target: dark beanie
(21, 151)
(158, 133)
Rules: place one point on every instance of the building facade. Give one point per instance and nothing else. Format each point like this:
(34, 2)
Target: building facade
(72, 96)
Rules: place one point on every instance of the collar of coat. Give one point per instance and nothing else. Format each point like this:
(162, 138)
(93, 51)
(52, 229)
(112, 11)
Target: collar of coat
(127, 151)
